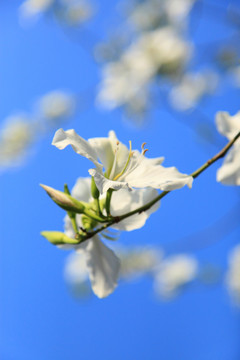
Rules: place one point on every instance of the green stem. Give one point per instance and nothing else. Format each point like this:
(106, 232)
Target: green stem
(108, 201)
(72, 215)
(95, 217)
(99, 210)
(147, 206)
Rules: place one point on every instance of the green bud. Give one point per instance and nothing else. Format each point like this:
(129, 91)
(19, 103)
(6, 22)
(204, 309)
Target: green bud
(65, 201)
(94, 189)
(58, 238)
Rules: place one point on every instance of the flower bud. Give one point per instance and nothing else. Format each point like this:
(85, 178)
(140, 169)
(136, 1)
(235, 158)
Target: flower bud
(65, 201)
(58, 238)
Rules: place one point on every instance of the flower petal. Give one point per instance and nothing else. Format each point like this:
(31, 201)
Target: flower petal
(103, 184)
(229, 172)
(103, 266)
(124, 201)
(80, 146)
(228, 125)
(156, 176)
(82, 190)
(106, 148)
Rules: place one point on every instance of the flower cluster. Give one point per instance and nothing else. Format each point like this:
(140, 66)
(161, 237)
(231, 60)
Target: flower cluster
(155, 54)
(122, 193)
(21, 130)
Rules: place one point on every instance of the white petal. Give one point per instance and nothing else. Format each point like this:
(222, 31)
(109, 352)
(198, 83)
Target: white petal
(229, 172)
(124, 201)
(157, 176)
(82, 190)
(103, 266)
(64, 138)
(106, 148)
(228, 125)
(103, 184)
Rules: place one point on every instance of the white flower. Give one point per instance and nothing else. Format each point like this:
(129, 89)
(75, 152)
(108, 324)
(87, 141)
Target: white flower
(35, 7)
(192, 88)
(151, 13)
(99, 261)
(138, 261)
(173, 273)
(160, 51)
(15, 138)
(123, 168)
(229, 173)
(56, 105)
(233, 274)
(75, 12)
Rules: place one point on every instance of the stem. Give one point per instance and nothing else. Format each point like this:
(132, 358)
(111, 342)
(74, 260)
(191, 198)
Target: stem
(97, 202)
(72, 215)
(74, 223)
(108, 201)
(218, 156)
(147, 206)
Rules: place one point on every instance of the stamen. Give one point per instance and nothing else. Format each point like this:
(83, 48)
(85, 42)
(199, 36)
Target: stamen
(129, 157)
(143, 144)
(144, 150)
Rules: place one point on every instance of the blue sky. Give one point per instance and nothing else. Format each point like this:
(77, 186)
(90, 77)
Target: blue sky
(39, 319)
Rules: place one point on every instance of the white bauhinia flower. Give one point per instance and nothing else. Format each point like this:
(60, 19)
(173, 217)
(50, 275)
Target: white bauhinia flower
(233, 274)
(161, 51)
(101, 264)
(31, 8)
(173, 273)
(123, 168)
(229, 126)
(75, 12)
(151, 13)
(138, 261)
(192, 88)
(15, 139)
(56, 105)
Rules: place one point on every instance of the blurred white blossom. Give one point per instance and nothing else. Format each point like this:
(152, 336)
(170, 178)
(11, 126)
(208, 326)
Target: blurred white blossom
(233, 274)
(192, 88)
(235, 74)
(56, 105)
(156, 52)
(150, 14)
(71, 12)
(229, 126)
(31, 8)
(75, 12)
(173, 273)
(15, 139)
(123, 168)
(138, 261)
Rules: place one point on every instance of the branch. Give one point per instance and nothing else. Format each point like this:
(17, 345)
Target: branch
(147, 206)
